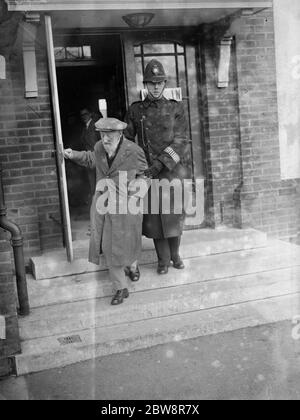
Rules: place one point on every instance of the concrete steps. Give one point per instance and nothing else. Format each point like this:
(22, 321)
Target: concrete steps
(72, 319)
(80, 226)
(161, 302)
(195, 243)
(278, 255)
(52, 352)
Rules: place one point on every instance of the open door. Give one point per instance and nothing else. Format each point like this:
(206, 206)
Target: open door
(90, 76)
(59, 142)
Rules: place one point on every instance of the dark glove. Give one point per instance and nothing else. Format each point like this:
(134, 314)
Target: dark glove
(154, 170)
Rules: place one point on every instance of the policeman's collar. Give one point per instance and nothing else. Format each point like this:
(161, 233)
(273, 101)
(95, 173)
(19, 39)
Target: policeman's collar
(149, 100)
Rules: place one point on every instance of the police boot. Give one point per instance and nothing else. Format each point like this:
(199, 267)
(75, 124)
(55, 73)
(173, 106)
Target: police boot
(174, 244)
(163, 255)
(162, 269)
(179, 265)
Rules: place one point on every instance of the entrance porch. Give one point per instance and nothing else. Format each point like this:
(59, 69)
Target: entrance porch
(194, 40)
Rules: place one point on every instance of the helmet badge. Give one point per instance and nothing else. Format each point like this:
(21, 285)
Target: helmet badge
(155, 70)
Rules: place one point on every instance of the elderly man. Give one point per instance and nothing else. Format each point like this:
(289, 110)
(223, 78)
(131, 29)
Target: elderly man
(115, 233)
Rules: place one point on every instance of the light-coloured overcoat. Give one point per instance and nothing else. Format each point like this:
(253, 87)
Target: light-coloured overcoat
(117, 236)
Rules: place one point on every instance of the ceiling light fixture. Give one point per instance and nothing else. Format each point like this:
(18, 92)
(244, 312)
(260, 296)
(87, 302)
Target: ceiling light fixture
(138, 20)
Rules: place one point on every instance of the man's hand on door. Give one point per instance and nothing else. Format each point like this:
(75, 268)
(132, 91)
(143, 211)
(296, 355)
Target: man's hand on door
(68, 153)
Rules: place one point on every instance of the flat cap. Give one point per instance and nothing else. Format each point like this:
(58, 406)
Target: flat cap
(110, 124)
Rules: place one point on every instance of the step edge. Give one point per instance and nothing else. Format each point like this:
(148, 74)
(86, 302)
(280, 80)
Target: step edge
(106, 283)
(261, 236)
(100, 268)
(178, 310)
(272, 246)
(172, 316)
(21, 359)
(183, 288)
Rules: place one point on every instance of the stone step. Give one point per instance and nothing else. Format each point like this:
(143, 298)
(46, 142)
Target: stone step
(80, 228)
(72, 317)
(57, 351)
(276, 255)
(195, 243)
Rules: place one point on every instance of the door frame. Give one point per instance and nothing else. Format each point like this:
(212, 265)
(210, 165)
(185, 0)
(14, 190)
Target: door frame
(50, 39)
(63, 189)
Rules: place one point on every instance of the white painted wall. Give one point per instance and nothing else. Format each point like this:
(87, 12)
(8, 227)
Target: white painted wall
(2, 328)
(287, 39)
(2, 68)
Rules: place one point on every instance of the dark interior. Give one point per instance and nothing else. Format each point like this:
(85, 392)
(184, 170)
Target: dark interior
(81, 83)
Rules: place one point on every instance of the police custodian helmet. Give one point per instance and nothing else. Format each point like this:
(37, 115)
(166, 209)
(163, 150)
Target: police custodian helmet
(155, 72)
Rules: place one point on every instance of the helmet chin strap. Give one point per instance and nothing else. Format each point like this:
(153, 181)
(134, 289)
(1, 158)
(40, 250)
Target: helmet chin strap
(154, 98)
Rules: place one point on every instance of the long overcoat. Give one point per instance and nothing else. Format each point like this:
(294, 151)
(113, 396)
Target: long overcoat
(117, 236)
(162, 132)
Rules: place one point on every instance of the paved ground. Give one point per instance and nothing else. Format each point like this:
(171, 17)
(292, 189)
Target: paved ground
(255, 363)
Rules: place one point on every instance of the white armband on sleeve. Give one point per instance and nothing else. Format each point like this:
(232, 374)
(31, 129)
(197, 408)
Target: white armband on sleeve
(173, 154)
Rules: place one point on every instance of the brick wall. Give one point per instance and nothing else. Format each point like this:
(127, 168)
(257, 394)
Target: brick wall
(221, 133)
(29, 178)
(26, 151)
(268, 203)
(241, 134)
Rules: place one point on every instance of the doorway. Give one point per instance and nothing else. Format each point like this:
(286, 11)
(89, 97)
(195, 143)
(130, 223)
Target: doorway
(89, 68)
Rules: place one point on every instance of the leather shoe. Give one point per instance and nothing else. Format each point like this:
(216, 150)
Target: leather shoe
(119, 297)
(162, 269)
(133, 275)
(179, 265)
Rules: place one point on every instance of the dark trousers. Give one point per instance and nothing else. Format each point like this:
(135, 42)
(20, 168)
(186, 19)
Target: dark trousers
(92, 184)
(92, 180)
(167, 250)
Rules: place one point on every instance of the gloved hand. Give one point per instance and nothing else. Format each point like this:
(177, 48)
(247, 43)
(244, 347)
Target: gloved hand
(154, 170)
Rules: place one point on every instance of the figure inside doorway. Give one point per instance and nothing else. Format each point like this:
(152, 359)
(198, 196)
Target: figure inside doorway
(89, 138)
(162, 131)
(76, 175)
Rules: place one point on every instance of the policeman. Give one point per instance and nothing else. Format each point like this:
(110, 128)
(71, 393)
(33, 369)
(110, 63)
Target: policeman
(161, 129)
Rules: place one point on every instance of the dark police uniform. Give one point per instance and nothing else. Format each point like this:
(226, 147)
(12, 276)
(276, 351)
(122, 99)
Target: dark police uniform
(161, 129)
